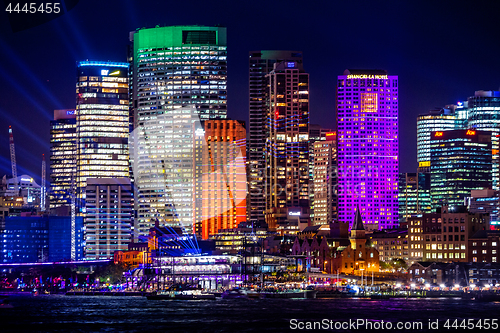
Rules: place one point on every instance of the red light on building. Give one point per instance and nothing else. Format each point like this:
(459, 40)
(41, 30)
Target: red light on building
(438, 134)
(329, 134)
(277, 113)
(470, 132)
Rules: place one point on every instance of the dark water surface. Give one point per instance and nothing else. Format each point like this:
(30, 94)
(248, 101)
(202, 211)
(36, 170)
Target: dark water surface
(59, 313)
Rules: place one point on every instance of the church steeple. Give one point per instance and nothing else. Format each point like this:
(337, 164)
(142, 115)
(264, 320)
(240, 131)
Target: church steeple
(358, 235)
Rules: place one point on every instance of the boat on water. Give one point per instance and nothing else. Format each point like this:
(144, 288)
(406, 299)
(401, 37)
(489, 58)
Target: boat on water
(238, 293)
(182, 292)
(246, 293)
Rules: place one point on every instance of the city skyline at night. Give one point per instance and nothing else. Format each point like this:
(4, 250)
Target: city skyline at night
(42, 82)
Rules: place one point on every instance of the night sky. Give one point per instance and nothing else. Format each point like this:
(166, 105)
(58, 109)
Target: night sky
(441, 51)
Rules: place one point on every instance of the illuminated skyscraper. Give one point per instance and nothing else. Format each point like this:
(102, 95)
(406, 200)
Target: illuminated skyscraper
(325, 179)
(436, 120)
(260, 64)
(179, 77)
(287, 148)
(483, 110)
(220, 176)
(414, 195)
(62, 157)
(367, 120)
(179, 66)
(460, 162)
(102, 112)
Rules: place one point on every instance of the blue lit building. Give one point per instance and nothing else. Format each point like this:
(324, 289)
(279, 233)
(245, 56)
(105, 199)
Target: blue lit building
(60, 238)
(29, 239)
(25, 239)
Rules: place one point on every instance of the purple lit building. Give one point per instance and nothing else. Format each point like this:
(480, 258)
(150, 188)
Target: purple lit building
(367, 123)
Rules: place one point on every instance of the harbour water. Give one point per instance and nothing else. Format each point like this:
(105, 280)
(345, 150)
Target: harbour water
(60, 313)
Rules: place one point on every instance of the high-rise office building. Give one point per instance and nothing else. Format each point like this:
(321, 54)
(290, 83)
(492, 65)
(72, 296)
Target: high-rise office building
(436, 120)
(460, 162)
(220, 176)
(367, 134)
(483, 111)
(179, 77)
(62, 157)
(287, 148)
(102, 115)
(316, 133)
(163, 151)
(108, 220)
(179, 66)
(325, 179)
(260, 64)
(414, 195)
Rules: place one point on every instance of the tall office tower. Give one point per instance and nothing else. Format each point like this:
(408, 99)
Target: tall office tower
(102, 114)
(460, 162)
(436, 120)
(163, 151)
(484, 114)
(108, 220)
(287, 148)
(174, 69)
(62, 157)
(316, 133)
(179, 66)
(325, 179)
(414, 195)
(220, 176)
(260, 64)
(367, 120)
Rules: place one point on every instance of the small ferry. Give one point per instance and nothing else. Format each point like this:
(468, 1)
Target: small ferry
(182, 292)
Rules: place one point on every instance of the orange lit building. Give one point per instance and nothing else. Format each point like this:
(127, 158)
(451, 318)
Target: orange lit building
(220, 176)
(129, 258)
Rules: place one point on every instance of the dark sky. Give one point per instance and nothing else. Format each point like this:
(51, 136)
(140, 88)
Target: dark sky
(441, 51)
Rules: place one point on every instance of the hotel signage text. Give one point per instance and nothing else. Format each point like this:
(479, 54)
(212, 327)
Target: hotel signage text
(366, 76)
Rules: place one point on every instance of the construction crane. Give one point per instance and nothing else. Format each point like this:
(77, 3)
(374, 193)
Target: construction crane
(72, 192)
(13, 161)
(44, 188)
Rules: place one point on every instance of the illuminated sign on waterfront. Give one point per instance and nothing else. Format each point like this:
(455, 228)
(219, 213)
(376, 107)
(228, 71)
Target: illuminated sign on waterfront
(330, 134)
(366, 76)
(104, 71)
(294, 213)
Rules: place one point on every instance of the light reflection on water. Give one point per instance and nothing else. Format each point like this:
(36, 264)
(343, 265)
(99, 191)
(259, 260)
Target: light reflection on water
(137, 314)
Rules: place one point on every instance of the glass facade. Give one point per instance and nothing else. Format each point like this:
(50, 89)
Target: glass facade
(460, 162)
(102, 116)
(436, 120)
(414, 195)
(180, 66)
(179, 77)
(62, 157)
(484, 114)
(367, 123)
